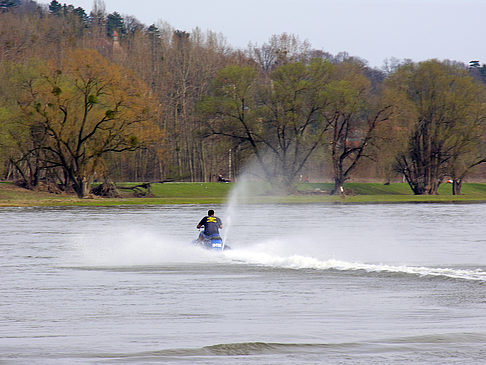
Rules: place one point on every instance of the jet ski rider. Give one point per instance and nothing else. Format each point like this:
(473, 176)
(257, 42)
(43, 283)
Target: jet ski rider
(211, 225)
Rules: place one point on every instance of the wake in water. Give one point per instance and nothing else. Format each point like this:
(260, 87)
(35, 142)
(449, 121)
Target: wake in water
(297, 262)
(132, 248)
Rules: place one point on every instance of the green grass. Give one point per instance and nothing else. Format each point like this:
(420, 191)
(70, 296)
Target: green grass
(361, 188)
(217, 193)
(191, 190)
(379, 189)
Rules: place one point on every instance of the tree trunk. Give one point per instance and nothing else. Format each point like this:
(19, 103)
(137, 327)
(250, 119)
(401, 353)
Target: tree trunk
(419, 181)
(456, 186)
(81, 186)
(9, 171)
(338, 186)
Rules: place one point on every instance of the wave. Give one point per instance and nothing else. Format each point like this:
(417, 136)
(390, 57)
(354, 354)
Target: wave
(410, 344)
(256, 348)
(306, 262)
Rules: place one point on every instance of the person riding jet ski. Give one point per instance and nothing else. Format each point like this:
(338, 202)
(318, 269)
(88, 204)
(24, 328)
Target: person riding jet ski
(211, 225)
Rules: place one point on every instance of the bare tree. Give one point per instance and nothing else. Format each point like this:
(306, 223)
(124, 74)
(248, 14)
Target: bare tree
(353, 114)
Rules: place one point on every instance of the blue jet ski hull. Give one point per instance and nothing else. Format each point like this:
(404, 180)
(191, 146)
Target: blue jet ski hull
(213, 243)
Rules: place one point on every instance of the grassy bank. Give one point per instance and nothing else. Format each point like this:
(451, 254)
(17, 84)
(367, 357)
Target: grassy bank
(215, 193)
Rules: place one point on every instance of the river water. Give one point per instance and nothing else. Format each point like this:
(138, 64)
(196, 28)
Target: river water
(303, 284)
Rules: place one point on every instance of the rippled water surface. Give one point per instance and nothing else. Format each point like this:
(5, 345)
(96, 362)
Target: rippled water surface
(303, 284)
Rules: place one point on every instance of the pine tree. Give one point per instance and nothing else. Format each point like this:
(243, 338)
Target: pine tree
(55, 7)
(114, 23)
(81, 14)
(8, 4)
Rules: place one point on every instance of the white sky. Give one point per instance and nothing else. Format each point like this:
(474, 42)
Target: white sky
(370, 29)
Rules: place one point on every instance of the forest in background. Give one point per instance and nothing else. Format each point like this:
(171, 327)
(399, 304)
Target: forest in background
(96, 96)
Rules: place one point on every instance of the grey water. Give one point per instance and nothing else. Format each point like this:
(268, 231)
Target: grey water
(302, 284)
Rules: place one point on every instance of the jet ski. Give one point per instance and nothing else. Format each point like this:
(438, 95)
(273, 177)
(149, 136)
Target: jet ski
(212, 242)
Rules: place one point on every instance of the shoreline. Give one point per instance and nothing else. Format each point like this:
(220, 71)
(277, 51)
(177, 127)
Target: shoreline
(217, 193)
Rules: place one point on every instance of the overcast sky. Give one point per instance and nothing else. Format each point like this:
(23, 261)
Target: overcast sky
(374, 30)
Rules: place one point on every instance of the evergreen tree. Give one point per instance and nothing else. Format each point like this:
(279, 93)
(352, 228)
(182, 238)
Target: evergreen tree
(153, 31)
(67, 9)
(115, 23)
(81, 14)
(8, 4)
(55, 7)
(474, 64)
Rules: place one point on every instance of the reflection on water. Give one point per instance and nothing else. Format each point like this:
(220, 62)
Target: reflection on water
(303, 283)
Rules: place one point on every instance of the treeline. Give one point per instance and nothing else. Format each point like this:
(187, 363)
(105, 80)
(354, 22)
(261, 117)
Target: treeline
(89, 96)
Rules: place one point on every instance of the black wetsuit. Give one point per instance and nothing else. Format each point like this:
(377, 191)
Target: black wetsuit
(211, 225)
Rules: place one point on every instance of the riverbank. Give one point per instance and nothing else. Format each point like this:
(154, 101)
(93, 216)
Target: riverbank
(217, 193)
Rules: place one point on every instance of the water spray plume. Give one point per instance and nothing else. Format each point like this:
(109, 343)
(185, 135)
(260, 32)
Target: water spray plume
(137, 247)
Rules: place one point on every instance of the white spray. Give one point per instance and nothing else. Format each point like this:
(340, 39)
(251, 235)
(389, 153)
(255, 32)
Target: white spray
(247, 186)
